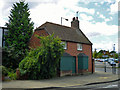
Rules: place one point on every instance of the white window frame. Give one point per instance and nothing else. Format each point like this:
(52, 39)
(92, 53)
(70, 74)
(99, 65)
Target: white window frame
(79, 46)
(65, 44)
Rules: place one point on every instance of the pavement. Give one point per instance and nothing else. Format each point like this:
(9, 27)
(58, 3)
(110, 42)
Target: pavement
(65, 81)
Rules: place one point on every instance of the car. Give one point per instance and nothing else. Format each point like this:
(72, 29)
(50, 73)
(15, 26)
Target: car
(112, 63)
(102, 60)
(110, 59)
(116, 60)
(106, 60)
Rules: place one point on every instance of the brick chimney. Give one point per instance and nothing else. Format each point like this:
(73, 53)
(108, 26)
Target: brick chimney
(75, 23)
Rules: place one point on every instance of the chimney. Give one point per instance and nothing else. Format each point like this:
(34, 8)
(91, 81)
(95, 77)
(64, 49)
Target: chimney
(75, 23)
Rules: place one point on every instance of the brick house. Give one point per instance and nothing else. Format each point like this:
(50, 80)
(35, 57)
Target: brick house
(75, 41)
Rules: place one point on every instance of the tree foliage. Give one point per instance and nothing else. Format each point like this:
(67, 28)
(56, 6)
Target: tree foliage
(101, 53)
(20, 29)
(43, 61)
(95, 54)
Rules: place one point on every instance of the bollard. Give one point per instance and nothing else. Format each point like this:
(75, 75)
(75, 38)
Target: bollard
(17, 73)
(114, 69)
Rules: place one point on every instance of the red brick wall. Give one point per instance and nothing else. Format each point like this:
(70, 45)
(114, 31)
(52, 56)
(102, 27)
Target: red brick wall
(34, 41)
(72, 50)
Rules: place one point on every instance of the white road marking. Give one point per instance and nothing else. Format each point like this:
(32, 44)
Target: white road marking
(110, 86)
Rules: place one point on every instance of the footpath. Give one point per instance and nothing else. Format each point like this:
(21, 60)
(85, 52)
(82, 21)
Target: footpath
(65, 81)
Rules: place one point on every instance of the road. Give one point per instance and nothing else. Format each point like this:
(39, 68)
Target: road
(99, 66)
(113, 85)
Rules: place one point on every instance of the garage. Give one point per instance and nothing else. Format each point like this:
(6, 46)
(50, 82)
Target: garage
(67, 64)
(82, 62)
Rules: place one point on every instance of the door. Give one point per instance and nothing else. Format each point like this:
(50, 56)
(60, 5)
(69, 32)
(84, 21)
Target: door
(67, 63)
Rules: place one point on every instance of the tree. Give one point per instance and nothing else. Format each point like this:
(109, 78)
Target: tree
(43, 61)
(113, 52)
(95, 54)
(116, 55)
(99, 55)
(20, 30)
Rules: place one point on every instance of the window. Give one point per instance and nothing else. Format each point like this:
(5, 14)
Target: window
(65, 45)
(79, 46)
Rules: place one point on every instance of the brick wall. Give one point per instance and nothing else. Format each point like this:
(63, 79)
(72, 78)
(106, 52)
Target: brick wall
(34, 41)
(72, 50)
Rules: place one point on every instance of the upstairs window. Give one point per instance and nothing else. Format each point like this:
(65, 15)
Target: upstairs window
(65, 45)
(79, 47)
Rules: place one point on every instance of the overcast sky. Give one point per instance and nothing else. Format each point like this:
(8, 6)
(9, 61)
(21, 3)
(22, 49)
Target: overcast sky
(98, 18)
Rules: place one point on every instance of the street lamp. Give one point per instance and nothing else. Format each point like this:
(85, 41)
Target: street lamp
(63, 18)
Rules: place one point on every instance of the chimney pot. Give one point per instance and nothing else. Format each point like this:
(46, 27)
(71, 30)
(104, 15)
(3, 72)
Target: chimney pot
(76, 18)
(75, 23)
(73, 18)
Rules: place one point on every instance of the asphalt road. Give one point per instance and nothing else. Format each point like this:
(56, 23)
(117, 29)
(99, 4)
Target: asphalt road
(113, 85)
(100, 66)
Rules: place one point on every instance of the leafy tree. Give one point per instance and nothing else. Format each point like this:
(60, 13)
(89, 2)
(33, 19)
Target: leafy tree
(43, 62)
(101, 51)
(20, 29)
(116, 55)
(112, 52)
(99, 55)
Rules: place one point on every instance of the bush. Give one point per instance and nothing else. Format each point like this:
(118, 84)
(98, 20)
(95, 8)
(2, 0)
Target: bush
(4, 70)
(43, 62)
(30, 66)
(12, 75)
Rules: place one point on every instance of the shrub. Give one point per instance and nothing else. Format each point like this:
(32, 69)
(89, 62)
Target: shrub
(4, 70)
(43, 62)
(12, 75)
(30, 66)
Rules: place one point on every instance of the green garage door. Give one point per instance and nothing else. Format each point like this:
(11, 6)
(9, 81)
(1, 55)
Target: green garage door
(82, 61)
(67, 63)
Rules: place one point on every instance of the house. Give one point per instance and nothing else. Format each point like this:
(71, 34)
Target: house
(3, 31)
(78, 48)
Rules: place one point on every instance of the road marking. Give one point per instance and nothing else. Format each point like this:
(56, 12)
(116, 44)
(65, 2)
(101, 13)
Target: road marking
(104, 77)
(110, 86)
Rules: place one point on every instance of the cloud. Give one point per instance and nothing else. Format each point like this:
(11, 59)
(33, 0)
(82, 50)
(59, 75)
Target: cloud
(108, 19)
(86, 10)
(73, 6)
(100, 27)
(85, 17)
(98, 13)
(114, 7)
(47, 12)
(93, 34)
(101, 16)
(105, 45)
(96, 4)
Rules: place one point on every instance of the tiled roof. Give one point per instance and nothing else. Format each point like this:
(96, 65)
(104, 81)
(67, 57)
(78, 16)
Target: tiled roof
(65, 33)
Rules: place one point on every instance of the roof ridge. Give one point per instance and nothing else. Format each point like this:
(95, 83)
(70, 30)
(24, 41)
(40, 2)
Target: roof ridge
(57, 24)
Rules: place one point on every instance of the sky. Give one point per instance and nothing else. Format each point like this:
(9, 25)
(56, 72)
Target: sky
(98, 18)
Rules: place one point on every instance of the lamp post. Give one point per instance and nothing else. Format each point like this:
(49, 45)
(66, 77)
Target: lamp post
(63, 18)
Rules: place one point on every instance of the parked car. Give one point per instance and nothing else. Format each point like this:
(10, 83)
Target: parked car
(116, 60)
(112, 63)
(102, 60)
(110, 59)
(106, 60)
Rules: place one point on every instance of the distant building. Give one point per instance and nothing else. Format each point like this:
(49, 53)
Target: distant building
(3, 31)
